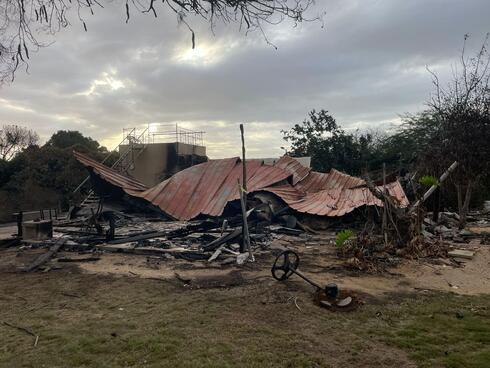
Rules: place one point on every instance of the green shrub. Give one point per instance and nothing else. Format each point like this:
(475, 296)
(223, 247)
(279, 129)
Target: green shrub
(343, 236)
(428, 180)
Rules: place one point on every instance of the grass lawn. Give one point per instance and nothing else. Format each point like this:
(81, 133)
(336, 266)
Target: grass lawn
(438, 330)
(100, 321)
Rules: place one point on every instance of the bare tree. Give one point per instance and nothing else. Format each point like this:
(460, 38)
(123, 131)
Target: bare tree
(14, 138)
(23, 21)
(461, 112)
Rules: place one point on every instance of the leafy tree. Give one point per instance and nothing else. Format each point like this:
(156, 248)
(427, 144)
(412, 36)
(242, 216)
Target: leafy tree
(71, 139)
(329, 145)
(47, 167)
(22, 22)
(457, 127)
(46, 176)
(400, 150)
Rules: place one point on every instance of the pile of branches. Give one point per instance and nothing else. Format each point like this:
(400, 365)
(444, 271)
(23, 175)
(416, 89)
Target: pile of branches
(367, 253)
(371, 253)
(400, 236)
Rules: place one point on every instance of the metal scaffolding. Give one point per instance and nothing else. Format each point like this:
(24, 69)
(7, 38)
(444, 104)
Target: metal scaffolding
(163, 133)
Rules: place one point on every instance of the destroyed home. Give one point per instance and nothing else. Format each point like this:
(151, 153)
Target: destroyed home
(206, 189)
(231, 224)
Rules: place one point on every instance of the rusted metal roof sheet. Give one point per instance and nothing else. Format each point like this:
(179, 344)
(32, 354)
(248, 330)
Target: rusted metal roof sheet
(317, 181)
(205, 189)
(292, 166)
(286, 192)
(187, 193)
(129, 185)
(335, 201)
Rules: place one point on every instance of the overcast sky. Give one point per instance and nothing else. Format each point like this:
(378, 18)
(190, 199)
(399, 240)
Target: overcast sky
(367, 66)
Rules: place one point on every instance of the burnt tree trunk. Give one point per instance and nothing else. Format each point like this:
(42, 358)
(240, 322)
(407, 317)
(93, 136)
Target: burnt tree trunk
(460, 197)
(436, 205)
(463, 212)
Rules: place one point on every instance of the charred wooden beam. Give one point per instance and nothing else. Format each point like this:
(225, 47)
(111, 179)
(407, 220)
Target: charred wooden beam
(42, 259)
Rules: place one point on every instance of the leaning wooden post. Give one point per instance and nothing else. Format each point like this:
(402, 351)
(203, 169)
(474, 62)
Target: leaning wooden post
(245, 235)
(434, 187)
(242, 189)
(244, 181)
(385, 215)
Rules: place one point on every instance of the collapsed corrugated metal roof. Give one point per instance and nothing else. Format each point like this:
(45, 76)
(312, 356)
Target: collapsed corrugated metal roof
(335, 201)
(205, 189)
(129, 185)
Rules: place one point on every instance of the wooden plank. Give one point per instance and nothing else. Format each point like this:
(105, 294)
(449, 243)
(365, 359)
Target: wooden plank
(124, 248)
(43, 258)
(215, 244)
(461, 253)
(129, 239)
(217, 252)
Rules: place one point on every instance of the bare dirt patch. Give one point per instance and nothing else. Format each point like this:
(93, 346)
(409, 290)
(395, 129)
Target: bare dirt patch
(319, 262)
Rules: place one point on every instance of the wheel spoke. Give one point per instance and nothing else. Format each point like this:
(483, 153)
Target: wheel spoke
(286, 259)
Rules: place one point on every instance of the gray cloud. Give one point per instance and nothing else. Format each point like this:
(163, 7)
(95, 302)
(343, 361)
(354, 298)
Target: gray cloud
(367, 66)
